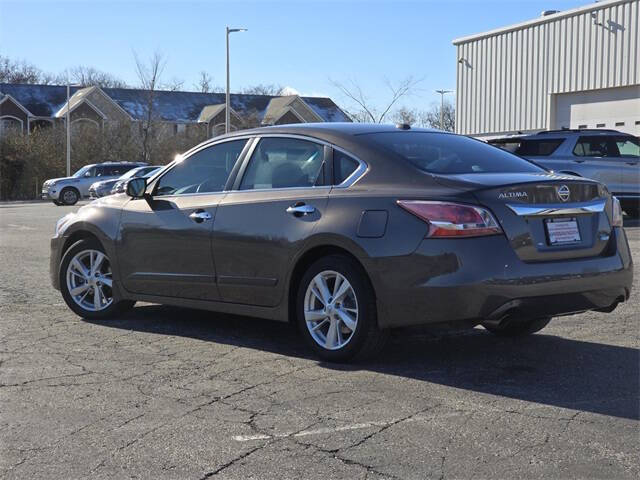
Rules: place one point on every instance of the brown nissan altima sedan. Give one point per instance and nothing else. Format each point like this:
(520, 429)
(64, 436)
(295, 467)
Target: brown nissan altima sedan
(349, 230)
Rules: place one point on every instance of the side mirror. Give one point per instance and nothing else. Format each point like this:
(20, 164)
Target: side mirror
(136, 187)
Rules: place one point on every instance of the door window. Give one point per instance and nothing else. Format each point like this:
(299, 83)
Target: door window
(205, 171)
(628, 147)
(284, 163)
(593, 147)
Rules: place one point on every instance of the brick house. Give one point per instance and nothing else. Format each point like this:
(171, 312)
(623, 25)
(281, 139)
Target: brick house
(24, 107)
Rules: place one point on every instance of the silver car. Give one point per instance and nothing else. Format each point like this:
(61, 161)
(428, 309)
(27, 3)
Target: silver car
(68, 190)
(109, 187)
(608, 156)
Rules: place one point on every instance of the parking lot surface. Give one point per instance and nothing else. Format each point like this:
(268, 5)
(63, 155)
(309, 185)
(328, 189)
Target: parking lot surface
(165, 392)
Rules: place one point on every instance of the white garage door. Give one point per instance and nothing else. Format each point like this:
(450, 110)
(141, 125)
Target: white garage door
(614, 108)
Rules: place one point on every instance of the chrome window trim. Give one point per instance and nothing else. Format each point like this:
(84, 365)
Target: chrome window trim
(198, 148)
(357, 174)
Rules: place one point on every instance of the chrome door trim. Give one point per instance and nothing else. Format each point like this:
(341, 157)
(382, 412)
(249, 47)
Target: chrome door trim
(543, 210)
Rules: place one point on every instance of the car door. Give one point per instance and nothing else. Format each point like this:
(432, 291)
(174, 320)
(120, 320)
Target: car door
(89, 178)
(627, 156)
(164, 243)
(595, 159)
(279, 196)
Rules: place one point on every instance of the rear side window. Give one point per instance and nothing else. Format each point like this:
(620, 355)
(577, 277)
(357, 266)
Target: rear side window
(284, 163)
(343, 166)
(538, 147)
(451, 154)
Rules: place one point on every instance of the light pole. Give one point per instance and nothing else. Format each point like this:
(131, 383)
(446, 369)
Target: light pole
(68, 121)
(442, 94)
(227, 113)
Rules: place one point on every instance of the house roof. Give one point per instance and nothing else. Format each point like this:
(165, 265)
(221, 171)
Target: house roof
(179, 107)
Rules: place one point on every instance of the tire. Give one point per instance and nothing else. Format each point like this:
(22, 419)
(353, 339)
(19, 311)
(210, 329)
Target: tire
(86, 252)
(632, 211)
(332, 339)
(69, 196)
(519, 329)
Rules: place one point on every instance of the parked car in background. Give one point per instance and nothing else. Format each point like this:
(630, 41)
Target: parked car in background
(68, 190)
(105, 187)
(608, 156)
(120, 185)
(349, 230)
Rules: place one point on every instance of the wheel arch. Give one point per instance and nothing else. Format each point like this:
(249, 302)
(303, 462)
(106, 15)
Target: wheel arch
(306, 259)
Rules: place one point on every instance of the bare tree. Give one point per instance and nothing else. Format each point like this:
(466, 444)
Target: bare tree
(263, 89)
(406, 115)
(149, 74)
(363, 109)
(88, 76)
(431, 117)
(205, 84)
(20, 71)
(173, 85)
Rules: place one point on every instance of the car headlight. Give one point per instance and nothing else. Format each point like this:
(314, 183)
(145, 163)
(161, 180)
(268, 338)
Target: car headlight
(60, 224)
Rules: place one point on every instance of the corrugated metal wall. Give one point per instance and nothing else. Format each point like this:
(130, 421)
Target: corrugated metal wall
(504, 79)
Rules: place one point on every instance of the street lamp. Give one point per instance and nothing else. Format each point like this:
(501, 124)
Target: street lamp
(442, 94)
(227, 115)
(68, 121)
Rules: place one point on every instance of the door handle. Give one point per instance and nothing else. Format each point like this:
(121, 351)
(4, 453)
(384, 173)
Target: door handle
(200, 216)
(300, 209)
(578, 161)
(632, 163)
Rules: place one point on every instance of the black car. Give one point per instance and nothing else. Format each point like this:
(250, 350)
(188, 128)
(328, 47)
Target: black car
(350, 230)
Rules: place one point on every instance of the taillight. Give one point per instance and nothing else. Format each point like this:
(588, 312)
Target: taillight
(616, 221)
(453, 219)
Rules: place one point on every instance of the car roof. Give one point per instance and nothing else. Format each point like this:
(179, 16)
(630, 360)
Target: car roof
(327, 129)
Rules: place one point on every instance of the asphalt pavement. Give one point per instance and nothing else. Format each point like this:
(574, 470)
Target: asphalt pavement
(164, 392)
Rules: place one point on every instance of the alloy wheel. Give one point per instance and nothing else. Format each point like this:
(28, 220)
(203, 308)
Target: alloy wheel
(70, 197)
(89, 280)
(331, 310)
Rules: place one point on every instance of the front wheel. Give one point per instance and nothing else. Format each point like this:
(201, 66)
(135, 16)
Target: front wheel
(336, 310)
(519, 329)
(69, 196)
(86, 282)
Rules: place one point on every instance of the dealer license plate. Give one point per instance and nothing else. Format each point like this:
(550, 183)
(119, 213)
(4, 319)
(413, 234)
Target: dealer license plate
(562, 230)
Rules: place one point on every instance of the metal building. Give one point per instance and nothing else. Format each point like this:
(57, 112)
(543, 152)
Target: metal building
(578, 68)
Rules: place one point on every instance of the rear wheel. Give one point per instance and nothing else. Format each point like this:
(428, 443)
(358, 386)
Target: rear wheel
(86, 282)
(519, 329)
(69, 196)
(336, 310)
(632, 210)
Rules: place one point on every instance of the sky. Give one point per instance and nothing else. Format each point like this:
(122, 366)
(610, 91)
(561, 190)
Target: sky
(305, 45)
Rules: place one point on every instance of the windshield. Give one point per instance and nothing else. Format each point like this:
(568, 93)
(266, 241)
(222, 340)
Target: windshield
(82, 171)
(451, 154)
(129, 174)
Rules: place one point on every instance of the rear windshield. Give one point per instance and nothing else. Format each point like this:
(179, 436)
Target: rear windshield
(451, 154)
(538, 147)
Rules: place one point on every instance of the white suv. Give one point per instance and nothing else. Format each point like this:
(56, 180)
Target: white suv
(68, 190)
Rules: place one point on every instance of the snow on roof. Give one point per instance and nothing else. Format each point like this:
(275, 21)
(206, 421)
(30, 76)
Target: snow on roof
(179, 107)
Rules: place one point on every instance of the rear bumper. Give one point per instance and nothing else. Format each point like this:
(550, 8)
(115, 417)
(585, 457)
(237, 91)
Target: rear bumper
(481, 278)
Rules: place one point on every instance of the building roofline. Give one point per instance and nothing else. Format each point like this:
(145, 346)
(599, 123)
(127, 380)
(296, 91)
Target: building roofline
(540, 20)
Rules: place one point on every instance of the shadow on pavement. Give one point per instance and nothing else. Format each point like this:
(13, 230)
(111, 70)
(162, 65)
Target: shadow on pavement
(545, 369)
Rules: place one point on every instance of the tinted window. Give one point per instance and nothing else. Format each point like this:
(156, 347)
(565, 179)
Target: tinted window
(203, 172)
(343, 166)
(538, 147)
(283, 163)
(447, 153)
(593, 147)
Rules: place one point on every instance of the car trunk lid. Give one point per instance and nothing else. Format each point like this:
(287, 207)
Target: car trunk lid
(546, 217)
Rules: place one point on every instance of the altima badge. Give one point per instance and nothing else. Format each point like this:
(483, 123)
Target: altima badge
(564, 193)
(513, 195)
